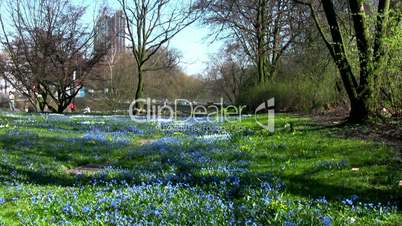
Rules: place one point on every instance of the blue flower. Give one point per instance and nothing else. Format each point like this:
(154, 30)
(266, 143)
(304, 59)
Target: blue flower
(234, 180)
(135, 130)
(34, 200)
(266, 186)
(350, 201)
(68, 209)
(157, 213)
(96, 136)
(115, 203)
(322, 200)
(267, 200)
(326, 220)
(289, 223)
(86, 209)
(347, 202)
(354, 197)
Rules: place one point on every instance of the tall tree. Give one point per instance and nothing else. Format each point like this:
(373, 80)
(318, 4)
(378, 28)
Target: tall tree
(49, 51)
(370, 49)
(151, 24)
(264, 28)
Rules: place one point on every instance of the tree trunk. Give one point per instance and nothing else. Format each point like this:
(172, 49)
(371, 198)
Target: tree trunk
(60, 109)
(261, 68)
(42, 106)
(52, 109)
(358, 112)
(358, 103)
(261, 53)
(140, 92)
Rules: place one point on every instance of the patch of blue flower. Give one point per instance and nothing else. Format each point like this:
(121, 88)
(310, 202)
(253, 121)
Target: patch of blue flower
(192, 176)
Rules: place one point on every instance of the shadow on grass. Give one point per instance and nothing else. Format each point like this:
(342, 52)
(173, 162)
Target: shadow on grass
(301, 184)
(10, 173)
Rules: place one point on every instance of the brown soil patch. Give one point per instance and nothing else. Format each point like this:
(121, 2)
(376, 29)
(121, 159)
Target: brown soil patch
(88, 169)
(143, 142)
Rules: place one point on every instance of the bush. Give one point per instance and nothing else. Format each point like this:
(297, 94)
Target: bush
(386, 86)
(299, 94)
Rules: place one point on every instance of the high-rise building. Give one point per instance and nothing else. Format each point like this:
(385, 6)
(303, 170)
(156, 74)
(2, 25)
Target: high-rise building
(110, 32)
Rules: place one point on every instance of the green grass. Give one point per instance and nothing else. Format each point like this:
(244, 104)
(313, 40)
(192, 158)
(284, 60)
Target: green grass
(317, 161)
(192, 181)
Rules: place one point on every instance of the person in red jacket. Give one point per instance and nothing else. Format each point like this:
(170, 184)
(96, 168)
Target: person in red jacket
(72, 107)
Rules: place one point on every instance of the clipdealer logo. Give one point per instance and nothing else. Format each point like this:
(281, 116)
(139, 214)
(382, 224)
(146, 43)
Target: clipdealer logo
(269, 108)
(154, 110)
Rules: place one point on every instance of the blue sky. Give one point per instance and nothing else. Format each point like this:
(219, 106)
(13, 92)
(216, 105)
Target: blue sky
(195, 47)
(193, 43)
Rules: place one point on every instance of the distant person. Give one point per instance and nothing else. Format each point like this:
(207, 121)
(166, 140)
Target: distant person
(87, 110)
(11, 98)
(72, 107)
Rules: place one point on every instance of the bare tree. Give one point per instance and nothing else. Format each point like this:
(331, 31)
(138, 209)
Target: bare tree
(370, 49)
(150, 25)
(264, 28)
(229, 72)
(111, 59)
(49, 49)
(118, 70)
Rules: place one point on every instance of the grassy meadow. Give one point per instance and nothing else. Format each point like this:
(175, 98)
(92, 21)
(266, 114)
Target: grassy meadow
(108, 170)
